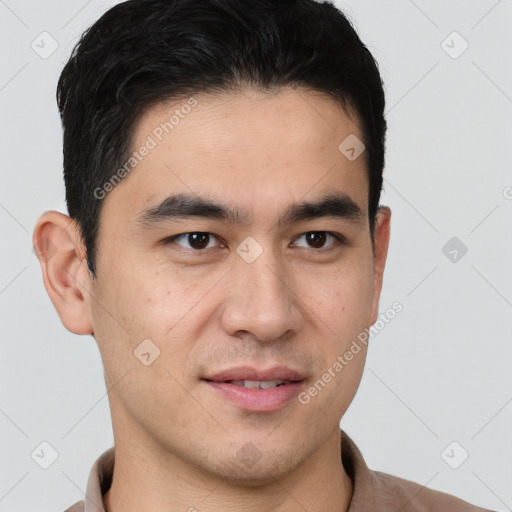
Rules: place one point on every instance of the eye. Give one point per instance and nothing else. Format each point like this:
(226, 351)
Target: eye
(318, 239)
(198, 241)
(195, 241)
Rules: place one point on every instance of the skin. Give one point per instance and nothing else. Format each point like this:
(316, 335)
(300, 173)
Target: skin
(178, 443)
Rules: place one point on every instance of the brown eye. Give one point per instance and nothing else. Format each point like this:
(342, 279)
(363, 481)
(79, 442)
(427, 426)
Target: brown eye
(196, 240)
(318, 239)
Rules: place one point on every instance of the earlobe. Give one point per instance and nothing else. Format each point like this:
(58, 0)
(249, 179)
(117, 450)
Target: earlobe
(381, 237)
(58, 246)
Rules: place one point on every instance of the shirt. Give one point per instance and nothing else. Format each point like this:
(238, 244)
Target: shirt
(373, 491)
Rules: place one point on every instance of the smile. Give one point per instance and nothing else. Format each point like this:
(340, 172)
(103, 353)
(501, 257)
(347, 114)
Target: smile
(258, 384)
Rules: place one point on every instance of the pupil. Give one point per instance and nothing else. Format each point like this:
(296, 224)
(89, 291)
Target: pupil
(316, 239)
(198, 240)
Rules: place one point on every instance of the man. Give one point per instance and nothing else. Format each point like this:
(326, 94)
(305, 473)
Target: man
(225, 247)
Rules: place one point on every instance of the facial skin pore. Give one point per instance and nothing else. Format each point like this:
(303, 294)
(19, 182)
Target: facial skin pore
(180, 444)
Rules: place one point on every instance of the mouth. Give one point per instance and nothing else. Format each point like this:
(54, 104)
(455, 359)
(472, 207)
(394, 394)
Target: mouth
(256, 390)
(256, 384)
(242, 374)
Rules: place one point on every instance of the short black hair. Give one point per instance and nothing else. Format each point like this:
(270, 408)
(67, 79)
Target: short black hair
(143, 52)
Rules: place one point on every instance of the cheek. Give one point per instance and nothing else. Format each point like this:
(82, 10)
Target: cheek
(136, 327)
(342, 299)
(161, 307)
(146, 302)
(341, 306)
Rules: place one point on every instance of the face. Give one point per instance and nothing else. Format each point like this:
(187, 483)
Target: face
(216, 274)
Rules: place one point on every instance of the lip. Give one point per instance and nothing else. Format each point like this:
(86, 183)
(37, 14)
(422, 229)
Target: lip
(258, 400)
(249, 373)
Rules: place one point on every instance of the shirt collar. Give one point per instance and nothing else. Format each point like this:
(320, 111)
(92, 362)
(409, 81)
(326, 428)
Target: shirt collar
(100, 480)
(363, 498)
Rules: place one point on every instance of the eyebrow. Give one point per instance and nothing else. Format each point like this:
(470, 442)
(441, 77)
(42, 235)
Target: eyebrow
(183, 206)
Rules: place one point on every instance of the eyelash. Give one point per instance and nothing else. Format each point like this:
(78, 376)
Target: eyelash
(340, 239)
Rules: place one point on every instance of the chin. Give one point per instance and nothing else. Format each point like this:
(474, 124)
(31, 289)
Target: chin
(251, 468)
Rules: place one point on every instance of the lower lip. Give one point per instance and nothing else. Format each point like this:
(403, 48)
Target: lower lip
(257, 399)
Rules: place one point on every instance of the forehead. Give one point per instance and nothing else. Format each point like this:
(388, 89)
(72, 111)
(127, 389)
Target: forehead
(251, 119)
(251, 148)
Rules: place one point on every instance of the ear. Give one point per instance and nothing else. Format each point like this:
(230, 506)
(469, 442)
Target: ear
(58, 246)
(381, 244)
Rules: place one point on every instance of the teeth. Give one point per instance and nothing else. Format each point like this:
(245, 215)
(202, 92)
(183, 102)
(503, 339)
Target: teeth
(267, 384)
(255, 384)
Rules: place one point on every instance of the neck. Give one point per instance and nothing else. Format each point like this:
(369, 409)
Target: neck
(148, 478)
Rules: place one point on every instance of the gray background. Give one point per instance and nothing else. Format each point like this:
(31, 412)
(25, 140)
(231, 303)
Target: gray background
(438, 373)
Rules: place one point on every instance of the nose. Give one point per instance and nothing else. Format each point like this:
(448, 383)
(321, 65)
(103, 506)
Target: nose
(261, 300)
